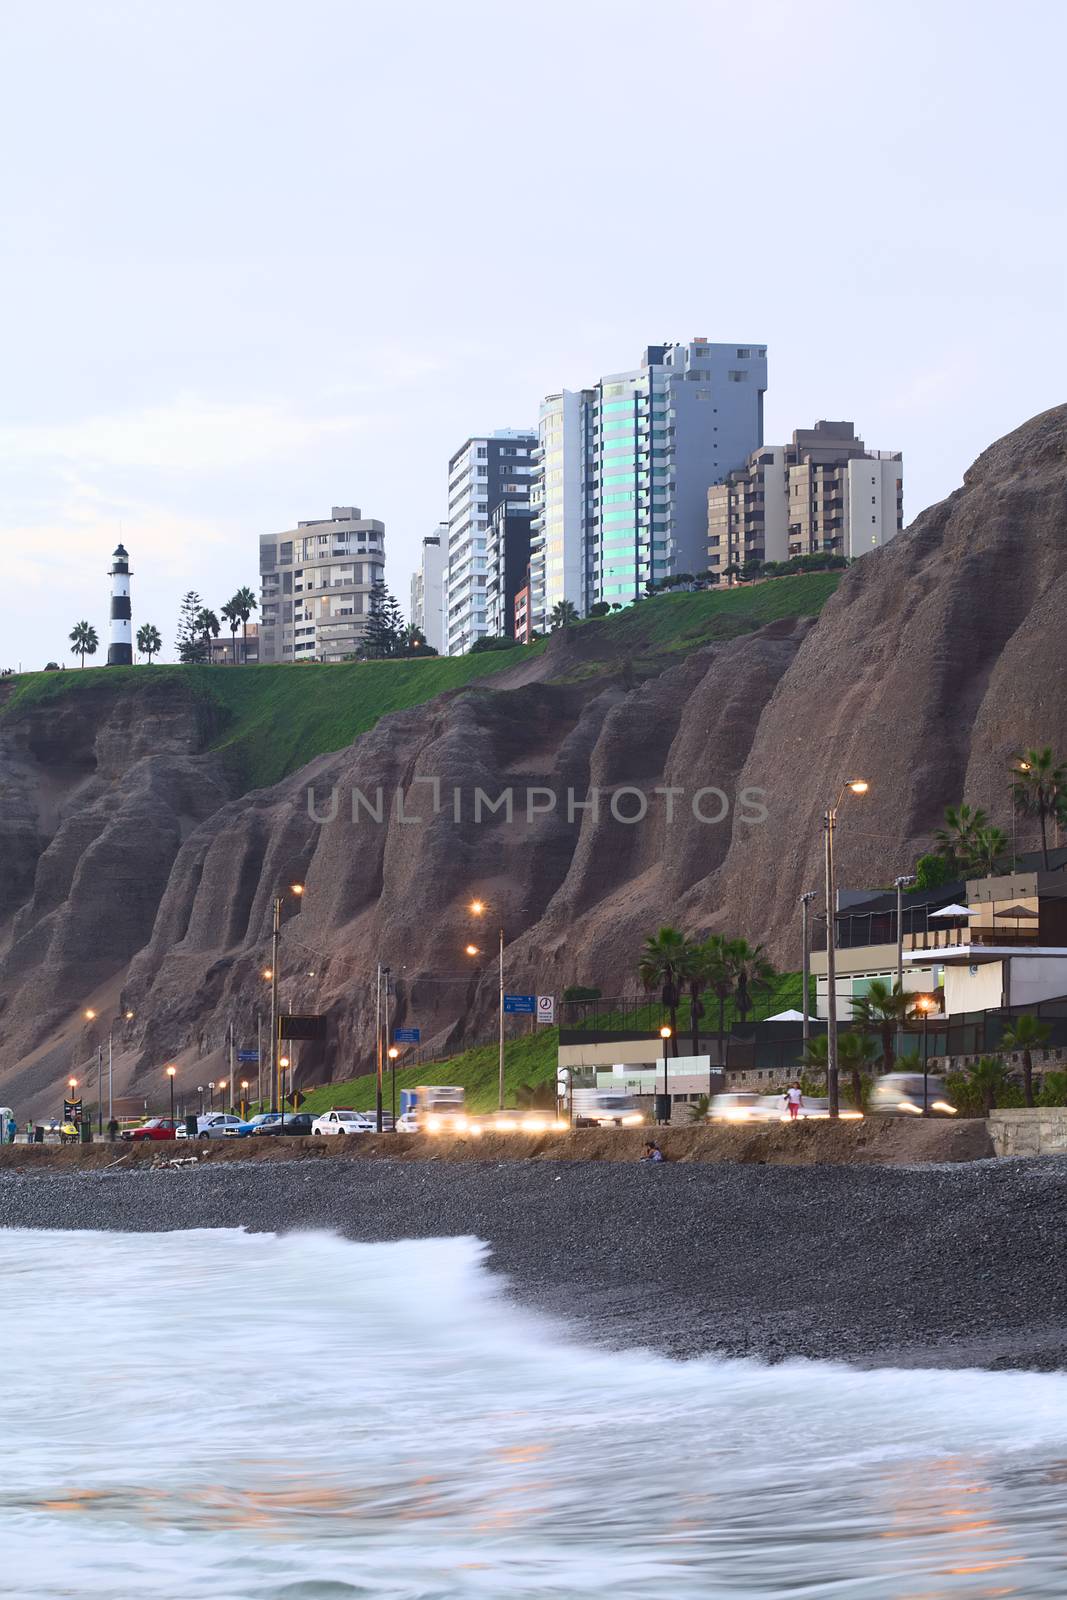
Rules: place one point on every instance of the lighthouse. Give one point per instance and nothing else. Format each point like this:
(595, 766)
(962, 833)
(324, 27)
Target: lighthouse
(120, 650)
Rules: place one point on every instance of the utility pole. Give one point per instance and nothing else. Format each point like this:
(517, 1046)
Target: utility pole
(275, 938)
(829, 820)
(259, 1057)
(500, 1088)
(805, 901)
(900, 884)
(378, 1050)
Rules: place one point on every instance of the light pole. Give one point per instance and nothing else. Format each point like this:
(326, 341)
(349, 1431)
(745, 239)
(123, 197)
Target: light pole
(379, 1042)
(665, 1035)
(244, 1097)
(211, 1094)
(170, 1074)
(805, 901)
(900, 884)
(853, 786)
(296, 889)
(393, 1053)
(478, 908)
(925, 1004)
(221, 1087)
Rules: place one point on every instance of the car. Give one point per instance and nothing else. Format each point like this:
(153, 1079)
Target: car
(743, 1105)
(243, 1129)
(900, 1094)
(610, 1108)
(216, 1125)
(520, 1121)
(340, 1121)
(408, 1122)
(295, 1123)
(154, 1128)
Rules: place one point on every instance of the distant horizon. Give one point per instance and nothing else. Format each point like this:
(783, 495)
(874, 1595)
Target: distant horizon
(223, 321)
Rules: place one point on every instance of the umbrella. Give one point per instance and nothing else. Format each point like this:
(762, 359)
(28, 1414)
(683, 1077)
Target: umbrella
(1017, 912)
(952, 911)
(786, 1016)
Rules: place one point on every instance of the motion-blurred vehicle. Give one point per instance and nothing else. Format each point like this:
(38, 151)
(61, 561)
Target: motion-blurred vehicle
(900, 1094)
(519, 1121)
(341, 1121)
(606, 1108)
(408, 1122)
(154, 1128)
(743, 1105)
(441, 1108)
(295, 1123)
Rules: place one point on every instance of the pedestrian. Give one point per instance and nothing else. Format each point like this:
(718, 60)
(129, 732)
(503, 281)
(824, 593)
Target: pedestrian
(12, 1130)
(794, 1099)
(652, 1151)
(112, 1130)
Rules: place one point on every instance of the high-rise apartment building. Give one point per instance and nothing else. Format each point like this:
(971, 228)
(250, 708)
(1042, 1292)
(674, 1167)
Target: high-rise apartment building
(316, 584)
(428, 589)
(483, 473)
(824, 491)
(507, 565)
(623, 469)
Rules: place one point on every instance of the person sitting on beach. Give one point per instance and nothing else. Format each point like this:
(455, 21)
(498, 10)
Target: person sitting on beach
(652, 1151)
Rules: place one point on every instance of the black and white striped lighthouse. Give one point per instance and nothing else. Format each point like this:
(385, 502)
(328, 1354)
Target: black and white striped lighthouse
(120, 650)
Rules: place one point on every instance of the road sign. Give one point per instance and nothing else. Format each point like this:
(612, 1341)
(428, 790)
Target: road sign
(546, 1008)
(407, 1035)
(294, 1027)
(524, 1003)
(247, 1056)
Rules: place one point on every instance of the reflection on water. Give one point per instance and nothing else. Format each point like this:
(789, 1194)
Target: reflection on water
(226, 1415)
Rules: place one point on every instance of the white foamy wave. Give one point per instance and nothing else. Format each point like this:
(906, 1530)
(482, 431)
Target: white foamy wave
(221, 1414)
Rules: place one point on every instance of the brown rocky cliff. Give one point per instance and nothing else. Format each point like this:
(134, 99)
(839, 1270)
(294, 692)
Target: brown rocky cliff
(935, 660)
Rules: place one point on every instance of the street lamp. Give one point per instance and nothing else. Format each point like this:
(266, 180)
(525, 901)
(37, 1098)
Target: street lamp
(393, 1054)
(271, 973)
(924, 1004)
(665, 1035)
(855, 786)
(211, 1094)
(244, 1097)
(170, 1074)
(805, 938)
(478, 909)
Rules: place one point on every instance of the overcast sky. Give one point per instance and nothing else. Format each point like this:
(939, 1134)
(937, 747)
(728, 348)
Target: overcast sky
(257, 259)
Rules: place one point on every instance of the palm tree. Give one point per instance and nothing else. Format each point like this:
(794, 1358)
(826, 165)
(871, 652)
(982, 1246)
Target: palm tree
(988, 848)
(206, 624)
(989, 1075)
(816, 1057)
(856, 1053)
(1039, 789)
(1025, 1033)
(698, 1109)
(83, 640)
(564, 612)
(148, 641)
(753, 973)
(699, 963)
(955, 841)
(246, 603)
(721, 980)
(231, 613)
(662, 965)
(882, 1010)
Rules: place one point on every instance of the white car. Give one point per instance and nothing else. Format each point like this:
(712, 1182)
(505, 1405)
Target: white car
(343, 1122)
(743, 1106)
(216, 1125)
(408, 1123)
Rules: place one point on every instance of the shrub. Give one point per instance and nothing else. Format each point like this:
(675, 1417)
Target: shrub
(492, 641)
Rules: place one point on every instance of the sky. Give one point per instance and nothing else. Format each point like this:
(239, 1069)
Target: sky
(259, 259)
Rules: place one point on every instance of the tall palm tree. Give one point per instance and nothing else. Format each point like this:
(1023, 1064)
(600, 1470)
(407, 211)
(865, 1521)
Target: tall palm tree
(1026, 1033)
(697, 974)
(988, 849)
(84, 640)
(148, 641)
(721, 980)
(246, 603)
(662, 966)
(753, 973)
(882, 1010)
(989, 1076)
(564, 612)
(207, 627)
(954, 841)
(231, 613)
(1039, 789)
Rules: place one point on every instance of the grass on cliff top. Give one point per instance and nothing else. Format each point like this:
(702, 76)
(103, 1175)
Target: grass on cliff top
(275, 718)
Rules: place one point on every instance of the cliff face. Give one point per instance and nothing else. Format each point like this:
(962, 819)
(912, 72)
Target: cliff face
(130, 865)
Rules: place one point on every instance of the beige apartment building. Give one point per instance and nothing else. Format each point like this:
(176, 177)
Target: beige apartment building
(316, 583)
(823, 492)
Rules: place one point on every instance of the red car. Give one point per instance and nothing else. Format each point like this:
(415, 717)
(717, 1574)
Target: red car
(154, 1128)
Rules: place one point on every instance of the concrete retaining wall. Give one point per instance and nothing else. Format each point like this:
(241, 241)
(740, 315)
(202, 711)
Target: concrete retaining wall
(1022, 1132)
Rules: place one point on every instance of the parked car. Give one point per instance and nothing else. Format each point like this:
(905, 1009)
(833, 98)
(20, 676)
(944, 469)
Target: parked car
(900, 1094)
(341, 1121)
(408, 1122)
(296, 1123)
(243, 1129)
(213, 1125)
(154, 1128)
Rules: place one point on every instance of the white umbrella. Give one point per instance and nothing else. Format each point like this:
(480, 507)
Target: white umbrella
(786, 1016)
(952, 911)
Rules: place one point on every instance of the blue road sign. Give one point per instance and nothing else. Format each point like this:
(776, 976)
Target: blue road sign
(246, 1056)
(407, 1035)
(526, 1003)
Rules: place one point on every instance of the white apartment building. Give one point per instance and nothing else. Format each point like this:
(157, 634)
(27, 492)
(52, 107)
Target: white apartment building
(483, 472)
(558, 501)
(316, 582)
(428, 589)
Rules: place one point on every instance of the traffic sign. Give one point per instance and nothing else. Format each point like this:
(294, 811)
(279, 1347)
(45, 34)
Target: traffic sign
(407, 1035)
(247, 1056)
(546, 1008)
(524, 1003)
(291, 1026)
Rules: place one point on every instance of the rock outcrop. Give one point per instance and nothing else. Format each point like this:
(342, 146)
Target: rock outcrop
(130, 866)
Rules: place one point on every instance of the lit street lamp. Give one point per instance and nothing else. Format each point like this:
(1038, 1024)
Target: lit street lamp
(478, 909)
(393, 1053)
(665, 1035)
(244, 1097)
(271, 973)
(924, 1004)
(853, 786)
(170, 1074)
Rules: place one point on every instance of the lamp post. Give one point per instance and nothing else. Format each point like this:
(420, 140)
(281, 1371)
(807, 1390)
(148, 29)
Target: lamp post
(221, 1087)
(853, 786)
(72, 1084)
(665, 1035)
(925, 1004)
(380, 1023)
(805, 938)
(393, 1053)
(271, 973)
(244, 1097)
(478, 908)
(170, 1074)
(900, 884)
(211, 1094)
